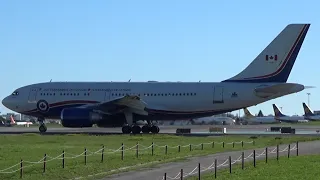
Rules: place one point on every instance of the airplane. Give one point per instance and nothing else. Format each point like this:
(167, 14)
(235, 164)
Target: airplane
(214, 119)
(309, 115)
(19, 123)
(82, 104)
(278, 115)
(258, 119)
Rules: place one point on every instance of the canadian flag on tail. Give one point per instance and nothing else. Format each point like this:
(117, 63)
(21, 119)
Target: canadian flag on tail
(274, 57)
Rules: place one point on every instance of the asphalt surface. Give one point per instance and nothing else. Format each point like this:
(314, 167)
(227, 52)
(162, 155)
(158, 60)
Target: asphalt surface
(195, 129)
(172, 169)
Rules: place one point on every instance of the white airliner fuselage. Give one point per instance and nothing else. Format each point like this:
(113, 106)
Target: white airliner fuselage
(81, 104)
(261, 120)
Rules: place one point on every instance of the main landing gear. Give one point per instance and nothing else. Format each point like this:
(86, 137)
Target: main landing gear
(42, 127)
(135, 129)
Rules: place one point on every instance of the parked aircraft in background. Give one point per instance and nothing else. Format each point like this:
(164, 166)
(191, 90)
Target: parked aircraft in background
(308, 114)
(251, 119)
(82, 104)
(12, 122)
(284, 118)
(214, 120)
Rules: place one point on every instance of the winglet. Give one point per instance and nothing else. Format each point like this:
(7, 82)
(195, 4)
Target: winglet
(275, 62)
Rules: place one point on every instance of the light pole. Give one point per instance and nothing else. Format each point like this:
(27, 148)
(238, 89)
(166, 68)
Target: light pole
(309, 99)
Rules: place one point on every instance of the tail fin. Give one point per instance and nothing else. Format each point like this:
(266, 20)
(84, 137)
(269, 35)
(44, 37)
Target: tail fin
(277, 112)
(260, 114)
(275, 62)
(307, 110)
(247, 113)
(12, 120)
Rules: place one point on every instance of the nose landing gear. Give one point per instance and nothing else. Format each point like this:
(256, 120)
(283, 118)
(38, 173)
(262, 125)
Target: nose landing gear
(42, 127)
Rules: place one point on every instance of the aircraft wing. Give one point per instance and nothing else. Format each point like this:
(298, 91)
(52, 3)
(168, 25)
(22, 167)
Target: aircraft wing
(128, 102)
(267, 91)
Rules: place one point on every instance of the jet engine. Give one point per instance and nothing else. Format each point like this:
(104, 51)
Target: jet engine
(77, 117)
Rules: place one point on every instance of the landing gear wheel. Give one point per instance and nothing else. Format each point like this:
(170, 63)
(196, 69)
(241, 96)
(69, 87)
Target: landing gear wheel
(155, 129)
(136, 129)
(126, 129)
(146, 129)
(42, 128)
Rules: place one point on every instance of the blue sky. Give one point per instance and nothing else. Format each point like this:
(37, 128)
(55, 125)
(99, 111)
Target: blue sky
(181, 40)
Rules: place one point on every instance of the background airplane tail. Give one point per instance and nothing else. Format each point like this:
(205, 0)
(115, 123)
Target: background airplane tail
(247, 113)
(260, 114)
(277, 111)
(275, 62)
(12, 121)
(307, 110)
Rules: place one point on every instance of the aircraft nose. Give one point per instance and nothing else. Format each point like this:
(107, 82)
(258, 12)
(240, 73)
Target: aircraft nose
(5, 101)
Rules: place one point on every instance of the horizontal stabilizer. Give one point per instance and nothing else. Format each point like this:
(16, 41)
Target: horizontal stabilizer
(266, 91)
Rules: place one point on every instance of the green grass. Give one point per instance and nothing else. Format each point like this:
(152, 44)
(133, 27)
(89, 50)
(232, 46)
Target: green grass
(301, 167)
(32, 147)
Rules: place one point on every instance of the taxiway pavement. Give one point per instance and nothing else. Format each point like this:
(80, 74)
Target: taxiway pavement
(195, 129)
(172, 169)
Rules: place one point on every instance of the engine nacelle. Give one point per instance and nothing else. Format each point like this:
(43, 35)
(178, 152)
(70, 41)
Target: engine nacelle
(76, 117)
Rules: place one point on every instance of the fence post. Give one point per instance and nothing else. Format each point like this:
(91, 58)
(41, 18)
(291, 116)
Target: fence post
(63, 159)
(137, 150)
(254, 158)
(102, 153)
(152, 149)
(85, 156)
(297, 148)
(21, 168)
(242, 143)
(242, 163)
(165, 176)
(215, 168)
(223, 144)
(230, 164)
(44, 163)
(181, 174)
(166, 150)
(289, 151)
(190, 147)
(122, 151)
(212, 144)
(278, 152)
(199, 171)
(266, 154)
(233, 144)
(179, 148)
(201, 146)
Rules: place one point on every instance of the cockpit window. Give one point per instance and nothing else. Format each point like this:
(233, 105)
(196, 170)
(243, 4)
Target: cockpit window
(16, 93)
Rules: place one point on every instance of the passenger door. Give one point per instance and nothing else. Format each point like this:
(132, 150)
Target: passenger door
(218, 95)
(33, 95)
(107, 95)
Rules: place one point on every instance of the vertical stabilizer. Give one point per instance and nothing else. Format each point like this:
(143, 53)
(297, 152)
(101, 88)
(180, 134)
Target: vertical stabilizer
(247, 113)
(275, 62)
(307, 110)
(277, 111)
(260, 114)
